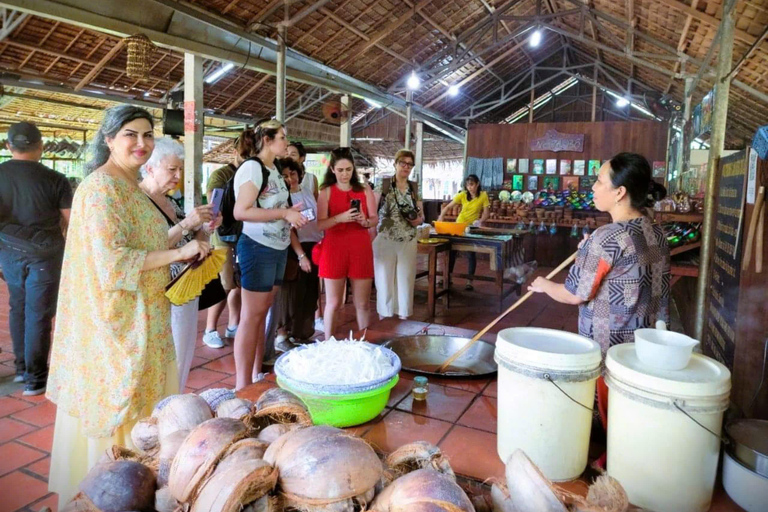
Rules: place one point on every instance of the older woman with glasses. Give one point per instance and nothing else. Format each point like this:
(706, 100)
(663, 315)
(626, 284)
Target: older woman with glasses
(394, 249)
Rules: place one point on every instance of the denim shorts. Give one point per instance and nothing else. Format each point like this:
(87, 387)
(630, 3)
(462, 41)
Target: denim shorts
(261, 267)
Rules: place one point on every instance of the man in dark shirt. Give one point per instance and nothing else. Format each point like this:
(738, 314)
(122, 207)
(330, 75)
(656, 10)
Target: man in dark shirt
(34, 212)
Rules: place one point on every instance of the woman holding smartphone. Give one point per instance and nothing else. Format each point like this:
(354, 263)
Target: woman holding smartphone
(346, 209)
(261, 202)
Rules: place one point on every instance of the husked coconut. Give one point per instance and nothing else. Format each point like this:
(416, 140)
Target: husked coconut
(417, 455)
(199, 453)
(234, 487)
(244, 450)
(423, 490)
(237, 408)
(216, 397)
(145, 436)
(500, 501)
(117, 486)
(279, 406)
(325, 469)
(272, 432)
(605, 495)
(529, 489)
(181, 412)
(164, 501)
(170, 446)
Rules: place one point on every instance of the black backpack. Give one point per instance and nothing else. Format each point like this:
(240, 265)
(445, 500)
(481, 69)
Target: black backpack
(230, 226)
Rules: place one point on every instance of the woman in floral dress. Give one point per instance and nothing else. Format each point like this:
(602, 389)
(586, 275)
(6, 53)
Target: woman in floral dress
(113, 354)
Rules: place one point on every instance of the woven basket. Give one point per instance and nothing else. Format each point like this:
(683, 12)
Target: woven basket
(140, 52)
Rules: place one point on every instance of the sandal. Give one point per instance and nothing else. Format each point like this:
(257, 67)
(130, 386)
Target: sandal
(469, 287)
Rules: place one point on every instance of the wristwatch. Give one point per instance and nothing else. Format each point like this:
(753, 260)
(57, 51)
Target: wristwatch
(302, 256)
(184, 231)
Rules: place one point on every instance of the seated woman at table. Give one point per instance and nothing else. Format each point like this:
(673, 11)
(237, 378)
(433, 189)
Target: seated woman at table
(475, 208)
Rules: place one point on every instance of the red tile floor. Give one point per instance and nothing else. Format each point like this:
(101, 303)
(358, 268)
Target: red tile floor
(459, 415)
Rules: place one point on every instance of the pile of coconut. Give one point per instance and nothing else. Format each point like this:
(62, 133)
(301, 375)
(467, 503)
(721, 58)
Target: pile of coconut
(214, 452)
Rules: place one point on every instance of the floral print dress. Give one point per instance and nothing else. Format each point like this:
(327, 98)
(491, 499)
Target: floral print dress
(112, 345)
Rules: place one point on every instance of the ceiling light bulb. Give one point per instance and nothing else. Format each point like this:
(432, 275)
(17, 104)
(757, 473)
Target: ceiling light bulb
(413, 81)
(453, 90)
(622, 102)
(535, 38)
(218, 74)
(372, 103)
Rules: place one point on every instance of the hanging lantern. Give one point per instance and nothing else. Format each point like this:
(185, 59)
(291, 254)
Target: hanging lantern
(140, 51)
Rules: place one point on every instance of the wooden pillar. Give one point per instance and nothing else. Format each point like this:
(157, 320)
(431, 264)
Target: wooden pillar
(684, 156)
(418, 173)
(533, 95)
(716, 143)
(345, 129)
(408, 117)
(594, 93)
(193, 131)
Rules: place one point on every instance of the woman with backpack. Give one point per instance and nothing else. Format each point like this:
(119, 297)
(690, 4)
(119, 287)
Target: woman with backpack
(395, 246)
(262, 203)
(346, 209)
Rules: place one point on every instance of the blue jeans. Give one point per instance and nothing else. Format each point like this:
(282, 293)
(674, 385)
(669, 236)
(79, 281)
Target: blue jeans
(33, 285)
(261, 267)
(471, 262)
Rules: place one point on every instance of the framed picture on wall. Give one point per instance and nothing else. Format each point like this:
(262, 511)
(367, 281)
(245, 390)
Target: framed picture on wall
(552, 183)
(551, 166)
(579, 167)
(511, 165)
(517, 182)
(571, 183)
(522, 165)
(538, 166)
(533, 183)
(565, 167)
(659, 169)
(594, 167)
(586, 182)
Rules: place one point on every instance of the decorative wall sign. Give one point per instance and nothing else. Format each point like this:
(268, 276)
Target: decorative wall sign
(511, 165)
(659, 169)
(565, 167)
(594, 167)
(538, 166)
(571, 183)
(579, 166)
(522, 165)
(552, 183)
(517, 182)
(556, 141)
(533, 183)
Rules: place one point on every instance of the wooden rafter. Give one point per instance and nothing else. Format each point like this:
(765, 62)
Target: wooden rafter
(270, 8)
(261, 81)
(98, 68)
(328, 15)
(51, 31)
(229, 6)
(682, 42)
(293, 20)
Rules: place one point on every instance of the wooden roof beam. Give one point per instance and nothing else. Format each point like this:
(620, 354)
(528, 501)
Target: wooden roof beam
(328, 15)
(744, 58)
(247, 93)
(98, 68)
(303, 13)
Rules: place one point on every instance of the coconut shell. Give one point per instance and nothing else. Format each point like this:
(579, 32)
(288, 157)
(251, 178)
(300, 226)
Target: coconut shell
(272, 432)
(277, 405)
(244, 450)
(164, 501)
(145, 436)
(182, 412)
(237, 408)
(500, 501)
(264, 504)
(170, 446)
(119, 486)
(417, 455)
(324, 464)
(217, 396)
(423, 490)
(236, 486)
(605, 495)
(529, 489)
(199, 453)
(80, 503)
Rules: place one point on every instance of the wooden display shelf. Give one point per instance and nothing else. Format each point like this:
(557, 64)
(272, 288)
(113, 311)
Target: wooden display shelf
(678, 217)
(685, 248)
(684, 270)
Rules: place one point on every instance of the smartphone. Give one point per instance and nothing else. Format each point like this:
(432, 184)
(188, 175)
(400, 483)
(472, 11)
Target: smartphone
(308, 214)
(355, 203)
(216, 195)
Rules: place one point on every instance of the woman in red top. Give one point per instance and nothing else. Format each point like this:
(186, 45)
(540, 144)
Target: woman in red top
(346, 209)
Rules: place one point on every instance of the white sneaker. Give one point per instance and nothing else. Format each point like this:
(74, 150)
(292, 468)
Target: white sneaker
(230, 332)
(213, 340)
(259, 377)
(282, 344)
(17, 379)
(319, 326)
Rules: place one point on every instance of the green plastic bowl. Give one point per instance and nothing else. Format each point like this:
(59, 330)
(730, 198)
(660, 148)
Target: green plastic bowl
(345, 410)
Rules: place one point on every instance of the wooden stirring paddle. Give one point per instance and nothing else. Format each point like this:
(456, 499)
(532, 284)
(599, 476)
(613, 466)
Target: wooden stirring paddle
(514, 306)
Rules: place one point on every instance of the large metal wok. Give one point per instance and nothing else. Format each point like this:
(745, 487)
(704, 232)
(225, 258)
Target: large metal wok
(425, 353)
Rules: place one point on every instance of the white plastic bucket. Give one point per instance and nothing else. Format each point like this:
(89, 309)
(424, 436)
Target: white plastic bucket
(666, 461)
(542, 374)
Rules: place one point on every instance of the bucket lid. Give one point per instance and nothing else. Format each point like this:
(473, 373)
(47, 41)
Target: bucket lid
(548, 349)
(703, 377)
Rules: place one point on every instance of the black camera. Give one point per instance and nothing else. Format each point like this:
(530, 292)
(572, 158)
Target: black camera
(410, 213)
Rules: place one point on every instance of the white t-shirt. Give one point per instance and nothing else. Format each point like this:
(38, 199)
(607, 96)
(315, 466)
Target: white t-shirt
(275, 234)
(309, 182)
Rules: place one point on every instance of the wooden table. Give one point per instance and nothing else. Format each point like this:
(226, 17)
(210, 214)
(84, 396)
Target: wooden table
(505, 250)
(433, 251)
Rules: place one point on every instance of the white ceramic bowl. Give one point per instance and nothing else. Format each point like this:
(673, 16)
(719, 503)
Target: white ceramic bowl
(662, 349)
(748, 489)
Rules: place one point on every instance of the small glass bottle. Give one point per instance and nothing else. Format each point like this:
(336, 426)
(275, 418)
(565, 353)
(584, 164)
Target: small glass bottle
(420, 388)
